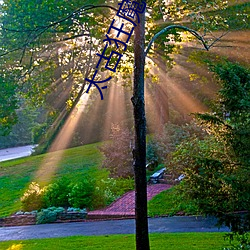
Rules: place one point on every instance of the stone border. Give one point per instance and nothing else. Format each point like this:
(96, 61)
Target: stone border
(30, 219)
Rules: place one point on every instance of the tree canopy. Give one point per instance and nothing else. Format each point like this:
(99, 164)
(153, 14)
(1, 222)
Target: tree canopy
(52, 46)
(216, 167)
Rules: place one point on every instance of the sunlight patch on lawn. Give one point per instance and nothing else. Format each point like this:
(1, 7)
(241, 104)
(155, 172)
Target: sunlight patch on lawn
(51, 161)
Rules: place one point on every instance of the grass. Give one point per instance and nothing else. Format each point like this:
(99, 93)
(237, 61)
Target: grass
(16, 175)
(170, 241)
(169, 203)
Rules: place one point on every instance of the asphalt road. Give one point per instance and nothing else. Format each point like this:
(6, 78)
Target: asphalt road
(156, 225)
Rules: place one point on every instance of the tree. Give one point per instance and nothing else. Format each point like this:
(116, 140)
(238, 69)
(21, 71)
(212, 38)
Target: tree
(69, 25)
(139, 152)
(8, 105)
(118, 156)
(217, 168)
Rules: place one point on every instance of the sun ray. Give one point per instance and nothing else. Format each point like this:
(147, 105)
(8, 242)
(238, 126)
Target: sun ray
(51, 162)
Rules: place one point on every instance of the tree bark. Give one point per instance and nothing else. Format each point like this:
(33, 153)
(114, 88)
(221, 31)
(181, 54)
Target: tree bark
(139, 151)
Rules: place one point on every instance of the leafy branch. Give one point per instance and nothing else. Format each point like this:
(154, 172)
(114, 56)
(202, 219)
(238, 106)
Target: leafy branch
(44, 28)
(193, 32)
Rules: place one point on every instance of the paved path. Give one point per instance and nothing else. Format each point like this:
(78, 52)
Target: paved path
(14, 153)
(156, 225)
(125, 206)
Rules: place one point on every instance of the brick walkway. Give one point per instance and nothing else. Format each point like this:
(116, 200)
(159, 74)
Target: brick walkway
(124, 207)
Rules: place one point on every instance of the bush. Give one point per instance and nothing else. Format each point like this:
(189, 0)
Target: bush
(81, 194)
(48, 215)
(109, 189)
(85, 194)
(38, 131)
(166, 141)
(152, 155)
(33, 198)
(57, 193)
(216, 168)
(243, 242)
(103, 193)
(76, 210)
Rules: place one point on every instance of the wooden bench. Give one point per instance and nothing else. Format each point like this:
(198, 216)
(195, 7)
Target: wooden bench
(155, 177)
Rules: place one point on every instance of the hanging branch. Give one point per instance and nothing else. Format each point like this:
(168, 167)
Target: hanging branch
(193, 32)
(44, 28)
(74, 13)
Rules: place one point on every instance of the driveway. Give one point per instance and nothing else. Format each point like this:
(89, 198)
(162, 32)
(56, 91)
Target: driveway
(14, 153)
(156, 225)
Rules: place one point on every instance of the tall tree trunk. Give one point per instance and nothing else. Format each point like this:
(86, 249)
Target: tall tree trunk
(139, 152)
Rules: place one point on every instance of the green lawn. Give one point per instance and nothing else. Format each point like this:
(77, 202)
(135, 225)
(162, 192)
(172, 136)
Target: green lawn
(173, 241)
(169, 202)
(16, 175)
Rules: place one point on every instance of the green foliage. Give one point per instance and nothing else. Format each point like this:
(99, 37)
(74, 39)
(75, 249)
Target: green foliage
(216, 168)
(33, 47)
(91, 193)
(232, 119)
(48, 215)
(32, 198)
(8, 105)
(242, 241)
(152, 156)
(21, 132)
(108, 190)
(166, 141)
(38, 131)
(81, 194)
(205, 175)
(57, 193)
(236, 16)
(65, 193)
(16, 175)
(118, 153)
(103, 193)
(73, 209)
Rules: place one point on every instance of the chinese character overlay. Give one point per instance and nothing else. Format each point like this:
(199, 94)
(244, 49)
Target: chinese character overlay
(129, 11)
(109, 58)
(93, 82)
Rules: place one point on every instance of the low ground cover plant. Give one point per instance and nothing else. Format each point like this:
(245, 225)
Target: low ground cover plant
(48, 215)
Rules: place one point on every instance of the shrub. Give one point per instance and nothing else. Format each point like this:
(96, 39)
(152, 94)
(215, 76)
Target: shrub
(57, 193)
(243, 242)
(38, 131)
(109, 189)
(48, 215)
(103, 194)
(33, 197)
(216, 168)
(152, 155)
(166, 141)
(73, 209)
(81, 194)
